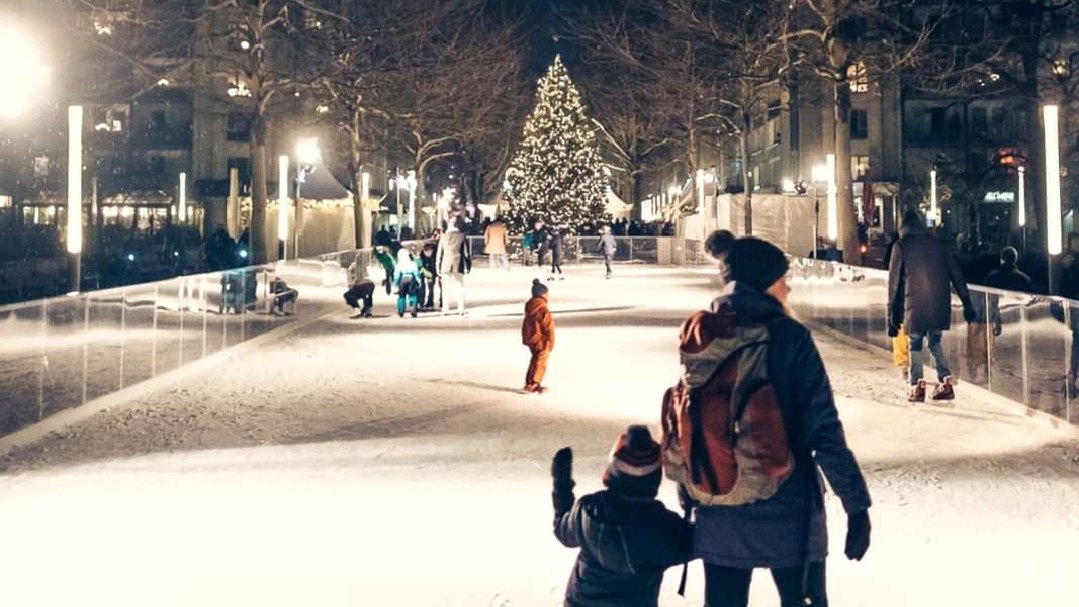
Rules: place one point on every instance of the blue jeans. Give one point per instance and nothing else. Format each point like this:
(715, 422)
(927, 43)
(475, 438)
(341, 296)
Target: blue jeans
(916, 372)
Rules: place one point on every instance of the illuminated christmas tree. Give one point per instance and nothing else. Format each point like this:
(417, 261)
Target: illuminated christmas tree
(557, 174)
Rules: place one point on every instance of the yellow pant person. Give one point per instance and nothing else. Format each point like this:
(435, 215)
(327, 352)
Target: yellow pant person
(901, 349)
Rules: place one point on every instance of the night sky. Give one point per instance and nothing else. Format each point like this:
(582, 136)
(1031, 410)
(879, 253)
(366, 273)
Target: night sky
(548, 33)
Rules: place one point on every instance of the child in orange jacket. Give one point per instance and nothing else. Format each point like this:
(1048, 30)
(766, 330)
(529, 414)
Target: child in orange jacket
(537, 332)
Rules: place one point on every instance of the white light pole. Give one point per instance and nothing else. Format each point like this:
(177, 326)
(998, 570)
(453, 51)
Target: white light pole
(1023, 205)
(398, 185)
(833, 205)
(933, 195)
(74, 194)
(412, 183)
(282, 206)
(183, 198)
(365, 189)
(1053, 228)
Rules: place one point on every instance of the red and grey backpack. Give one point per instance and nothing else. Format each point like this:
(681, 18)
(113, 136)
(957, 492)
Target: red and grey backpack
(724, 435)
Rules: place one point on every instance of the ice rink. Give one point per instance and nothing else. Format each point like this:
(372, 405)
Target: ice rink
(390, 462)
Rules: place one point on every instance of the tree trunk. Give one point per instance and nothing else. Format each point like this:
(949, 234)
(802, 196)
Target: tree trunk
(846, 218)
(747, 187)
(257, 227)
(360, 216)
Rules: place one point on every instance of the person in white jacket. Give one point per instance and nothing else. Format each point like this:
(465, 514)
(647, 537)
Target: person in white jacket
(454, 261)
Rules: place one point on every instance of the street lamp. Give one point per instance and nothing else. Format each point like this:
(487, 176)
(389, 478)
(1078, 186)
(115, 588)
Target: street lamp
(307, 155)
(399, 184)
(933, 196)
(282, 206)
(183, 198)
(74, 194)
(1053, 228)
(1023, 204)
(833, 210)
(412, 183)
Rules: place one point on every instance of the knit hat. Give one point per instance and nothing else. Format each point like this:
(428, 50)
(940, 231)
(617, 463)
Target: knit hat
(1008, 256)
(538, 288)
(634, 467)
(750, 261)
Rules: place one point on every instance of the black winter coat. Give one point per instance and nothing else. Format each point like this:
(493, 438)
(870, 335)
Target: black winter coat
(921, 274)
(626, 545)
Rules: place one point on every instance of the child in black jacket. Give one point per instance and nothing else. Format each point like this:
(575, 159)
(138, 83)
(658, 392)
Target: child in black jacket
(627, 537)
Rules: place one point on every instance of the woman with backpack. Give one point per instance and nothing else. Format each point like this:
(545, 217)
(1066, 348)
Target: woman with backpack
(757, 380)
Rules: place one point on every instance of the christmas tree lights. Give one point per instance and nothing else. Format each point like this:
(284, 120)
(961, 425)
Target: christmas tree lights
(557, 174)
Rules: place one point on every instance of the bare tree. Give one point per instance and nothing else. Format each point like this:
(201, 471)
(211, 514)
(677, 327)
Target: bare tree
(742, 56)
(649, 93)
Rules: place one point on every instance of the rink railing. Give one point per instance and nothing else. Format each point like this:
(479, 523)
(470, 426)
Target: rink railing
(1027, 363)
(659, 250)
(61, 352)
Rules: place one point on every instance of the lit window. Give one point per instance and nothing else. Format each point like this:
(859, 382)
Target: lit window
(858, 78)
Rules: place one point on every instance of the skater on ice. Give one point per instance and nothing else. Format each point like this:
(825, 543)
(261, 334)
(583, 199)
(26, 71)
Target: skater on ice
(537, 332)
(406, 279)
(361, 288)
(921, 275)
(745, 431)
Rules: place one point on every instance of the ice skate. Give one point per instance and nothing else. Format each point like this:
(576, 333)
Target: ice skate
(944, 390)
(917, 392)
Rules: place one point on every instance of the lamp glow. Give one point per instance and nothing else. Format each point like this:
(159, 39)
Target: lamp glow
(1053, 228)
(282, 197)
(1022, 197)
(74, 180)
(183, 197)
(412, 183)
(833, 205)
(933, 195)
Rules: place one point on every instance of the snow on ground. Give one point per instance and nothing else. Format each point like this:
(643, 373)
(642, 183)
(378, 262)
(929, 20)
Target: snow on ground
(390, 462)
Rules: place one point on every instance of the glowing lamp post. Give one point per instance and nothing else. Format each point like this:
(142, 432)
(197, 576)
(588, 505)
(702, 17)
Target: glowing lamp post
(365, 189)
(412, 183)
(183, 198)
(307, 155)
(282, 206)
(1053, 228)
(833, 205)
(1023, 204)
(74, 194)
(933, 196)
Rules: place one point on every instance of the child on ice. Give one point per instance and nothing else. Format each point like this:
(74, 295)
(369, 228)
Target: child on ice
(537, 332)
(627, 537)
(406, 277)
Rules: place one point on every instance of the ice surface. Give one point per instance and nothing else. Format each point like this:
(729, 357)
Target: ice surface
(389, 462)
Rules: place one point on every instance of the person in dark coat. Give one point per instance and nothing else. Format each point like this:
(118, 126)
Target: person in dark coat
(627, 538)
(921, 275)
(607, 247)
(541, 242)
(787, 532)
(558, 243)
(987, 308)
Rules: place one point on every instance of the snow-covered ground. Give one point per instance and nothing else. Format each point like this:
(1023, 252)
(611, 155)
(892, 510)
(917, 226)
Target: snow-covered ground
(390, 462)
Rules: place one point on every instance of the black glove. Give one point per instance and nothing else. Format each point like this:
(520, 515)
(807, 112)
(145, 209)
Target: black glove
(562, 475)
(996, 328)
(970, 315)
(857, 535)
(893, 330)
(684, 498)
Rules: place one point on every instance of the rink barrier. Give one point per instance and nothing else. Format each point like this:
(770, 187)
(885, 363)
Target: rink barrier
(654, 250)
(63, 352)
(1027, 363)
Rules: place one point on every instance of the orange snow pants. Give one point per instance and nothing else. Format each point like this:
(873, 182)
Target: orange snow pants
(537, 367)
